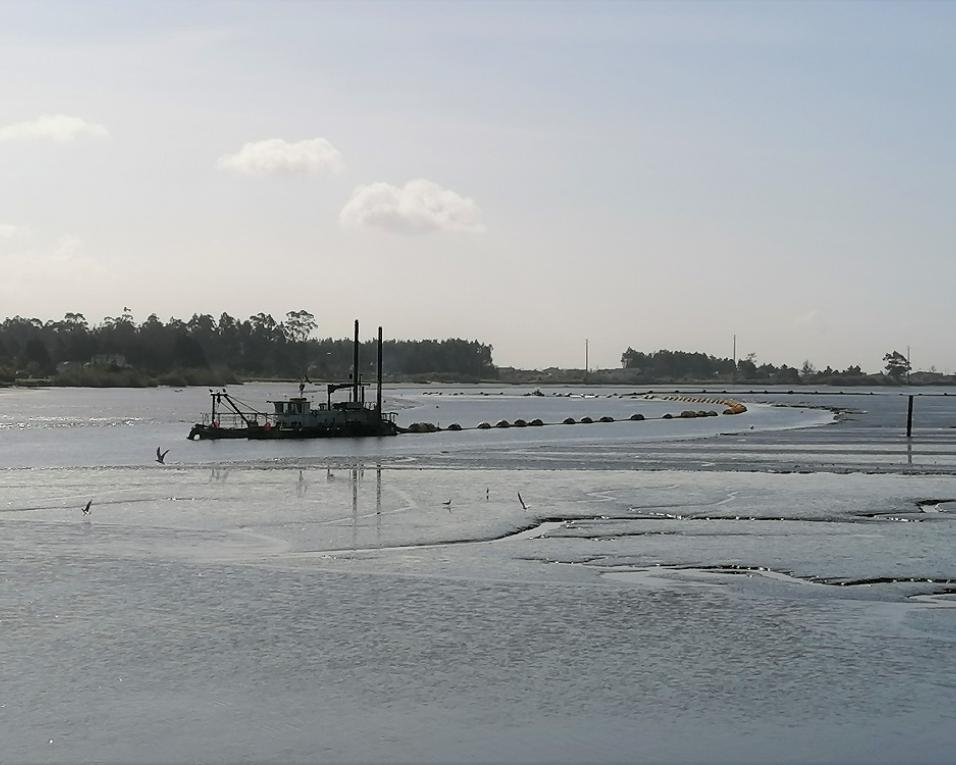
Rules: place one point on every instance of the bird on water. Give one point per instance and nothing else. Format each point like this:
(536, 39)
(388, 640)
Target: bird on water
(161, 456)
(86, 509)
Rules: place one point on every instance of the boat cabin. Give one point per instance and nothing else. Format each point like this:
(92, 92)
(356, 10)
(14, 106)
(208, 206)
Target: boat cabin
(293, 406)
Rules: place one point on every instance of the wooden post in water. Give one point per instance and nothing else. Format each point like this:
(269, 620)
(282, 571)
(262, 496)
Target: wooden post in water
(909, 418)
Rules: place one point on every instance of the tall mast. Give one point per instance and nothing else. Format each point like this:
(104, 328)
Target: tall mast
(378, 396)
(355, 365)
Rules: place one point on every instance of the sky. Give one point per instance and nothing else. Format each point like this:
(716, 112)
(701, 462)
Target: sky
(529, 174)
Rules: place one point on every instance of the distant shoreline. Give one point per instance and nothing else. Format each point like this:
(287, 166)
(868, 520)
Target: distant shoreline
(639, 388)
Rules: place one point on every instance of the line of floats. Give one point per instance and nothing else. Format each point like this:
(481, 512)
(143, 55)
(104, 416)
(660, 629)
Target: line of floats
(730, 407)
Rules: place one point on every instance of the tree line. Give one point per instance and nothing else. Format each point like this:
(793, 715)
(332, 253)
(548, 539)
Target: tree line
(677, 366)
(206, 350)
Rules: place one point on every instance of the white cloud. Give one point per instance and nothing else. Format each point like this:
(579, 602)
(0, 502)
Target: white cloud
(58, 128)
(12, 233)
(63, 259)
(68, 248)
(275, 156)
(52, 271)
(418, 207)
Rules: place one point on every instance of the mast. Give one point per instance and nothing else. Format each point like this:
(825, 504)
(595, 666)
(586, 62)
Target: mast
(378, 389)
(355, 365)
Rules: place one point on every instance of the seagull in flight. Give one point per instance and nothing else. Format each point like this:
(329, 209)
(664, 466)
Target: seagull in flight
(161, 456)
(448, 505)
(523, 505)
(86, 509)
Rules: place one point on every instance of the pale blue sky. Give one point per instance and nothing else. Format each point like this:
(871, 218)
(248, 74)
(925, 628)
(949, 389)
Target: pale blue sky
(655, 175)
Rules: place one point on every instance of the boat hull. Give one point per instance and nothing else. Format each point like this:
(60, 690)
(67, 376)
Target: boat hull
(258, 433)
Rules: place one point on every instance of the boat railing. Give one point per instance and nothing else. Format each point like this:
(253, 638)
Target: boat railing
(233, 420)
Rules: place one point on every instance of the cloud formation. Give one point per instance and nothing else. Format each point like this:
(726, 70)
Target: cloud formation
(419, 207)
(275, 156)
(57, 127)
(61, 263)
(10, 232)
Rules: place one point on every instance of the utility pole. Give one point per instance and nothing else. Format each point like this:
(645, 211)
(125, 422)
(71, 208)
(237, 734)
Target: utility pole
(735, 357)
(587, 365)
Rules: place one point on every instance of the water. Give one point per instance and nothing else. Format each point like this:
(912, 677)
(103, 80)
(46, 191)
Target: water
(40, 428)
(671, 594)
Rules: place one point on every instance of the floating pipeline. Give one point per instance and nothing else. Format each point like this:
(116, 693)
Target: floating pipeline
(732, 407)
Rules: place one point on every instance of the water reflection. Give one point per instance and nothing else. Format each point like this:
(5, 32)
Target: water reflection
(218, 475)
(354, 473)
(378, 504)
(356, 477)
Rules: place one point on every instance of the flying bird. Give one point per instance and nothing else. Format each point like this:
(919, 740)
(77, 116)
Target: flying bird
(523, 505)
(448, 505)
(161, 456)
(86, 510)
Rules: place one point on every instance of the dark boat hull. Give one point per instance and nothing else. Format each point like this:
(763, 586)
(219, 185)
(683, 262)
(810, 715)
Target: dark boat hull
(259, 433)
